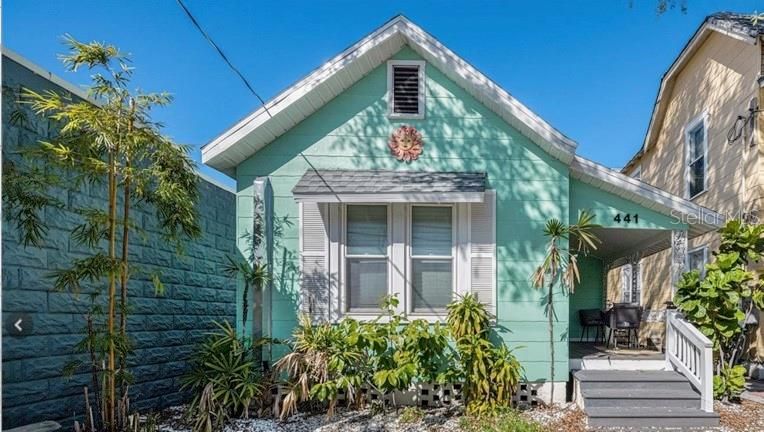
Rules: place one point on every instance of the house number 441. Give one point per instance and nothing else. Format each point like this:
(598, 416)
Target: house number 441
(628, 218)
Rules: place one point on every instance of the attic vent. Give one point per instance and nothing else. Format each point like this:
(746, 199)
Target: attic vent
(406, 88)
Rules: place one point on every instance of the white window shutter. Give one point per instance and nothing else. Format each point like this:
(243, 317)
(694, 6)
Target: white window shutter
(483, 250)
(314, 247)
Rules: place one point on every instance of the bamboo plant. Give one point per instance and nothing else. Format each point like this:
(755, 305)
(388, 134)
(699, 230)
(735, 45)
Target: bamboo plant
(107, 142)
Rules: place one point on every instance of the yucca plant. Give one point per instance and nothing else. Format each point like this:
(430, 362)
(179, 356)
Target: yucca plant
(322, 361)
(225, 379)
(467, 316)
(560, 266)
(490, 372)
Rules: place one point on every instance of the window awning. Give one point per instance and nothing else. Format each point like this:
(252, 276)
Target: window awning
(389, 186)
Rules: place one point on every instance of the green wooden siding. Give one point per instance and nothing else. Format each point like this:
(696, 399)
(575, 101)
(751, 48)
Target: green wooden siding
(352, 131)
(606, 206)
(587, 295)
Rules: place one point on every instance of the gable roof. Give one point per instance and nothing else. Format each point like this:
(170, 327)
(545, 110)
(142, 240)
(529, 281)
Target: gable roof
(312, 92)
(738, 26)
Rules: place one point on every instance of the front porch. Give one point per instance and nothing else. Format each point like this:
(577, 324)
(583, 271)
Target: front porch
(595, 355)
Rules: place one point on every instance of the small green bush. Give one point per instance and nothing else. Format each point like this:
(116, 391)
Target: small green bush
(411, 414)
(390, 354)
(500, 420)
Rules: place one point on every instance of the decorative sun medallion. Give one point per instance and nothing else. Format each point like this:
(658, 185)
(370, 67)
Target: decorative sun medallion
(406, 143)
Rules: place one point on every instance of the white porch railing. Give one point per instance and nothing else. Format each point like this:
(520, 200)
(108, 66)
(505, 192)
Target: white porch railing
(690, 352)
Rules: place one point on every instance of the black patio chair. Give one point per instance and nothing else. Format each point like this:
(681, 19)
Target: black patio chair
(624, 317)
(592, 318)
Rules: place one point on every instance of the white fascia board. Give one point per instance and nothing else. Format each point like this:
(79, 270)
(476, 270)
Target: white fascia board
(414, 197)
(477, 84)
(644, 194)
(295, 92)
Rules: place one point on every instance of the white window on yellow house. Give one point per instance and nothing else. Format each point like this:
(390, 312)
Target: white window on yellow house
(697, 259)
(697, 154)
(631, 283)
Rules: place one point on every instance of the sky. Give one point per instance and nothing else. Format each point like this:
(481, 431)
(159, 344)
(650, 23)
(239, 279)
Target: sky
(590, 68)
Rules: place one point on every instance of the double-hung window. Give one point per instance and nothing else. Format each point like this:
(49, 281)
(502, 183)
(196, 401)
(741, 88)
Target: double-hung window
(432, 258)
(697, 151)
(366, 257)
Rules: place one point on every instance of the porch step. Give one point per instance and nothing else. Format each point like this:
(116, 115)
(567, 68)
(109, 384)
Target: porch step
(624, 379)
(628, 397)
(651, 417)
(613, 398)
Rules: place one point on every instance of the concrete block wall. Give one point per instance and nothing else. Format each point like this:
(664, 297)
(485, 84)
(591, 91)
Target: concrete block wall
(164, 329)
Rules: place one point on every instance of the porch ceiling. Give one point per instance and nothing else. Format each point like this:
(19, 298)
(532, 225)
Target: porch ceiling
(618, 243)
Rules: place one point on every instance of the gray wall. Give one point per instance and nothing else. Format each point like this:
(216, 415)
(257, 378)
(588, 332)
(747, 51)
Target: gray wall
(164, 330)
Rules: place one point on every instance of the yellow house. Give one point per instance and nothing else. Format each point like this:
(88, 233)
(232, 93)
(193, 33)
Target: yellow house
(703, 143)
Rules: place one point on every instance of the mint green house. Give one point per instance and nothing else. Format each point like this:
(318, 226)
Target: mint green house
(358, 206)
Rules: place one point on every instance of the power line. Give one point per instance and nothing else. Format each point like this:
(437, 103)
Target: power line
(222, 54)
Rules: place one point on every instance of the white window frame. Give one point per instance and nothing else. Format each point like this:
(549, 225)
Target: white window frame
(703, 249)
(345, 306)
(630, 287)
(701, 120)
(410, 258)
(390, 96)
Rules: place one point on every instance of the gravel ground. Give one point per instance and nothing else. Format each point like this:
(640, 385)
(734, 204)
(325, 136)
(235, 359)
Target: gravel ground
(745, 417)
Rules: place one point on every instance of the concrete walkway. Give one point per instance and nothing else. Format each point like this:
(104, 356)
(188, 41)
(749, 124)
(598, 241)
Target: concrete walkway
(754, 391)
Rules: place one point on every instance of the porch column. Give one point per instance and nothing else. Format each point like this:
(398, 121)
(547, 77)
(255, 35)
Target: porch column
(678, 257)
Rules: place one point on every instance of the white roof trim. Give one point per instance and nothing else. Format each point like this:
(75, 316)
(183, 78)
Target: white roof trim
(667, 80)
(700, 219)
(413, 197)
(272, 120)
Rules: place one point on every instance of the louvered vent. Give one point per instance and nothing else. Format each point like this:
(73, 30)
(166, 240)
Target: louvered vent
(406, 89)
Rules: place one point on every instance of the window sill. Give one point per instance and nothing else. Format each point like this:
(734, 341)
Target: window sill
(701, 193)
(382, 319)
(392, 116)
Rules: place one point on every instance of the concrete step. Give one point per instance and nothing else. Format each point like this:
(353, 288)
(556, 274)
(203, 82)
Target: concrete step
(629, 397)
(617, 379)
(650, 417)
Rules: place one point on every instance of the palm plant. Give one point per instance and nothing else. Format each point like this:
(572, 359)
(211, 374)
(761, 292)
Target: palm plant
(224, 379)
(110, 140)
(560, 265)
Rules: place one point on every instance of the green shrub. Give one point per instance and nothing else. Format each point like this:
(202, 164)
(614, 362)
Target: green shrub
(490, 372)
(499, 420)
(718, 303)
(391, 354)
(411, 414)
(730, 382)
(224, 379)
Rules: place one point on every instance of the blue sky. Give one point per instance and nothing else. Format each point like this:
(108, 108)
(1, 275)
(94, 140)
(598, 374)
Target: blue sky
(590, 68)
